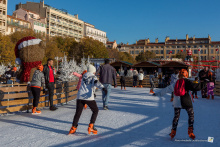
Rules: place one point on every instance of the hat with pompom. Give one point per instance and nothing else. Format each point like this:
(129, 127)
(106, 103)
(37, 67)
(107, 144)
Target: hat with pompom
(24, 42)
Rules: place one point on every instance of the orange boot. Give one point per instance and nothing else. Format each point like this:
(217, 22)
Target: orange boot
(92, 129)
(124, 88)
(213, 97)
(72, 130)
(196, 97)
(85, 106)
(171, 99)
(35, 111)
(208, 97)
(141, 86)
(190, 132)
(151, 91)
(173, 133)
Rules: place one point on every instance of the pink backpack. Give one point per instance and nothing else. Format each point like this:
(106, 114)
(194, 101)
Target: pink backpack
(179, 89)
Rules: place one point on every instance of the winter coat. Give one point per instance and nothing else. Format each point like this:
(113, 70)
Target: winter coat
(107, 73)
(141, 76)
(46, 72)
(86, 90)
(80, 79)
(174, 78)
(151, 79)
(203, 75)
(181, 101)
(38, 79)
(9, 74)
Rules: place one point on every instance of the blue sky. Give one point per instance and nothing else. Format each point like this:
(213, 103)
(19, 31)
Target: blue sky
(130, 20)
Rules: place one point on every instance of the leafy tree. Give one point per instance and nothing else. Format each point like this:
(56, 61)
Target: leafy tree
(145, 56)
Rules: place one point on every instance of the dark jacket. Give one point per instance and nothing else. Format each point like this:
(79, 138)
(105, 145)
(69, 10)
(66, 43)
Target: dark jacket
(9, 74)
(107, 73)
(203, 75)
(186, 101)
(46, 72)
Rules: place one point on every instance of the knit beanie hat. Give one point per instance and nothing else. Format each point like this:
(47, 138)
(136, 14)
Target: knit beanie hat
(91, 69)
(24, 42)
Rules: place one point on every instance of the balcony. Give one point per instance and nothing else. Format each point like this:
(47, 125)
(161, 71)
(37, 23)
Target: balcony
(16, 24)
(53, 19)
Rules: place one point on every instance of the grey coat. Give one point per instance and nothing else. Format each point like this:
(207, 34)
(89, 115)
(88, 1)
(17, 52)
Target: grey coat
(38, 79)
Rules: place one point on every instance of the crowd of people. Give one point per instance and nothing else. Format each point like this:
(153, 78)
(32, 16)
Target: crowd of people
(177, 84)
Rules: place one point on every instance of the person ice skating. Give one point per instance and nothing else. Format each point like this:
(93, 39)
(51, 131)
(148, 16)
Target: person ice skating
(210, 85)
(203, 77)
(174, 78)
(122, 79)
(141, 78)
(151, 77)
(107, 74)
(80, 80)
(86, 96)
(195, 92)
(182, 100)
(135, 78)
(37, 82)
(50, 81)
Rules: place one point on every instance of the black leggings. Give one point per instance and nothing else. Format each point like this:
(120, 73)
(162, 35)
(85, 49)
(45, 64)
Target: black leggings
(79, 109)
(177, 115)
(122, 80)
(36, 94)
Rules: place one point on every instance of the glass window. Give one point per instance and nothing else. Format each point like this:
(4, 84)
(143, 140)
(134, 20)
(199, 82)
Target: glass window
(157, 52)
(168, 51)
(136, 52)
(184, 46)
(178, 46)
(212, 45)
(161, 51)
(195, 51)
(201, 51)
(189, 46)
(200, 46)
(212, 51)
(195, 46)
(161, 47)
(173, 51)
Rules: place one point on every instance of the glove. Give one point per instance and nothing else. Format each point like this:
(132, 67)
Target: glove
(105, 90)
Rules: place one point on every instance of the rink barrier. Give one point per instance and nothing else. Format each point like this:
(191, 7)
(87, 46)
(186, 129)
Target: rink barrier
(129, 82)
(18, 97)
(217, 88)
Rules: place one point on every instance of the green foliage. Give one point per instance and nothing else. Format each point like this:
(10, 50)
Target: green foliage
(145, 56)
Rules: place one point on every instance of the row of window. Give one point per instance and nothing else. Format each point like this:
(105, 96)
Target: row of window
(203, 51)
(189, 46)
(40, 24)
(183, 42)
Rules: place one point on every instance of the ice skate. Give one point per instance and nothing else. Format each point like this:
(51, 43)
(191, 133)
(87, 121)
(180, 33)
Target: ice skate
(124, 88)
(213, 97)
(85, 106)
(196, 97)
(72, 130)
(151, 91)
(172, 134)
(92, 129)
(36, 111)
(171, 99)
(208, 97)
(190, 132)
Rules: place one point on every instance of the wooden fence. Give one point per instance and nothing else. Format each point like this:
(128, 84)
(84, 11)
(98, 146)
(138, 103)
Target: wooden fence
(129, 82)
(19, 97)
(217, 88)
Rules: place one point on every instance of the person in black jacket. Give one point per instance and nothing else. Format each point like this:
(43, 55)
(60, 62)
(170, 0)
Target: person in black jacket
(203, 77)
(50, 80)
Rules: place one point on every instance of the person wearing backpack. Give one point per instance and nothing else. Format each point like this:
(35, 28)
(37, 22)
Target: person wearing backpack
(182, 100)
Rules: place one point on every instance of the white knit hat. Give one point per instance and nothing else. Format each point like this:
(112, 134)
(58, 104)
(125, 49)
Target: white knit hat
(91, 69)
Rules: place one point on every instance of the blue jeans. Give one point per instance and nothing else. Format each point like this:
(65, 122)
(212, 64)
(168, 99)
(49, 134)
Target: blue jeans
(105, 97)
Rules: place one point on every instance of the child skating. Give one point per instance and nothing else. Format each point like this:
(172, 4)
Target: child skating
(141, 78)
(182, 100)
(122, 79)
(135, 78)
(36, 83)
(195, 92)
(151, 83)
(86, 96)
(80, 80)
(210, 85)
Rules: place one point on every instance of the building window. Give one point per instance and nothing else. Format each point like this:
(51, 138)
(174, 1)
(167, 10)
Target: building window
(161, 51)
(173, 51)
(212, 51)
(157, 52)
(189, 46)
(161, 47)
(168, 51)
(195, 51)
(195, 46)
(201, 51)
(212, 45)
(178, 46)
(136, 52)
